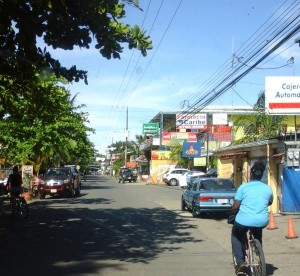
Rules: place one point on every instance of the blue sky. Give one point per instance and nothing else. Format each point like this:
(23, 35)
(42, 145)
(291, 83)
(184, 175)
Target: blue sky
(192, 39)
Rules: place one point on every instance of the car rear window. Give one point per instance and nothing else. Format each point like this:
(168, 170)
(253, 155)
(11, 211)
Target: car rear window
(216, 184)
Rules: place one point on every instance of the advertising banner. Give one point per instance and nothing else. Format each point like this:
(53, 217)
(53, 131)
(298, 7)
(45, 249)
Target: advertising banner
(178, 136)
(191, 149)
(191, 121)
(160, 155)
(282, 95)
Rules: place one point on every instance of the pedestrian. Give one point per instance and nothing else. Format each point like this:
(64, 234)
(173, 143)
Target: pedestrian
(14, 184)
(251, 209)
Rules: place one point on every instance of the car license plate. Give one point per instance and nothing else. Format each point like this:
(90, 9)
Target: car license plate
(53, 191)
(222, 200)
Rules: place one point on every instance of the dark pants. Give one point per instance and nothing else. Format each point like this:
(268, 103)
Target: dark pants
(238, 236)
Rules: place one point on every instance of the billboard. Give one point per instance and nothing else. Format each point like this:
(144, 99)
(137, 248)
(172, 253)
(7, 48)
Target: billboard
(191, 121)
(282, 95)
(191, 149)
(178, 136)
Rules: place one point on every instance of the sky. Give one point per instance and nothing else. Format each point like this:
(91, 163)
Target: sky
(192, 40)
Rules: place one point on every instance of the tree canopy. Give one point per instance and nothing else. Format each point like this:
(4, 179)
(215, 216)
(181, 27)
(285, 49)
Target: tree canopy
(45, 127)
(39, 123)
(63, 24)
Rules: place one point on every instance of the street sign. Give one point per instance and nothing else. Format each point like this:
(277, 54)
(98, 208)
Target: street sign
(150, 128)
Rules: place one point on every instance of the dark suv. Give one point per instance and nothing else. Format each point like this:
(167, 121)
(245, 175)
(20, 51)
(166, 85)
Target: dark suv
(127, 174)
(62, 180)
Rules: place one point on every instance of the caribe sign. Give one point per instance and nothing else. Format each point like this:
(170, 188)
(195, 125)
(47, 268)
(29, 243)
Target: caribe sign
(190, 149)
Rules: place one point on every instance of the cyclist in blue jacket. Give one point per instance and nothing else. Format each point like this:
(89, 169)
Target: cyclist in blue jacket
(251, 208)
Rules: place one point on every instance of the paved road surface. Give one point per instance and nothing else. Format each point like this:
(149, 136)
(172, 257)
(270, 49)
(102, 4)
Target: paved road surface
(129, 229)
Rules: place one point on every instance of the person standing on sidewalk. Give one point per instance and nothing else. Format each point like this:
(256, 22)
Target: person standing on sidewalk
(251, 209)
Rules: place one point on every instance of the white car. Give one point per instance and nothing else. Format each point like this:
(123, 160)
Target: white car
(184, 179)
(171, 176)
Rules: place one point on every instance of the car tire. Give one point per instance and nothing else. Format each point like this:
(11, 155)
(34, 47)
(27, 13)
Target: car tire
(194, 211)
(173, 182)
(183, 205)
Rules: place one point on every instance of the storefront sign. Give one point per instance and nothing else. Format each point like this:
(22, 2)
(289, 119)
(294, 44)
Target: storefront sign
(191, 121)
(160, 155)
(150, 128)
(282, 95)
(191, 149)
(179, 137)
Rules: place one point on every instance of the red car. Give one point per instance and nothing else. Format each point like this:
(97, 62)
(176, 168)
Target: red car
(63, 181)
(3, 188)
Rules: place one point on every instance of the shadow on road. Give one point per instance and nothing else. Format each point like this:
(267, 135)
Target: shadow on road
(57, 239)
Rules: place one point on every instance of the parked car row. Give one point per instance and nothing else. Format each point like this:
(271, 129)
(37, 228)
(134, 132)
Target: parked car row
(181, 177)
(171, 176)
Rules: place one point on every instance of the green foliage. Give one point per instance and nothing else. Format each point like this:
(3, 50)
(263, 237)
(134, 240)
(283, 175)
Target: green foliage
(259, 125)
(64, 25)
(42, 127)
(176, 155)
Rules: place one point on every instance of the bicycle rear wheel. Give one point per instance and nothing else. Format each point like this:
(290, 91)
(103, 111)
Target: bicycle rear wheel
(23, 211)
(6, 206)
(257, 261)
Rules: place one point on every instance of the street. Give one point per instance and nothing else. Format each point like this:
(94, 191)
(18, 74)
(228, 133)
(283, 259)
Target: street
(128, 229)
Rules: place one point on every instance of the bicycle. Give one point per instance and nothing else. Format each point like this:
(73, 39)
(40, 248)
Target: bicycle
(6, 206)
(254, 256)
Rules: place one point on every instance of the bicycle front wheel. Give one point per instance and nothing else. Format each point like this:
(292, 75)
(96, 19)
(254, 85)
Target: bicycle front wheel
(257, 261)
(23, 211)
(6, 206)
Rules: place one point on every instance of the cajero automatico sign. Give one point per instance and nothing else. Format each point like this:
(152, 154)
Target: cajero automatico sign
(282, 95)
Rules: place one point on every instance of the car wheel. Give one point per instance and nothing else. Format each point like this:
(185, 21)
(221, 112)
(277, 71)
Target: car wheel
(173, 182)
(183, 205)
(194, 211)
(42, 196)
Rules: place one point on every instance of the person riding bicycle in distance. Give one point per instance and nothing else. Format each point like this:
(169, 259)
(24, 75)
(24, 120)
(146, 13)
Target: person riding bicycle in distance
(251, 208)
(14, 184)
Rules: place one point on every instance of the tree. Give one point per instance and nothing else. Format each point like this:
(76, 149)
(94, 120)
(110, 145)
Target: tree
(63, 24)
(43, 127)
(258, 125)
(176, 155)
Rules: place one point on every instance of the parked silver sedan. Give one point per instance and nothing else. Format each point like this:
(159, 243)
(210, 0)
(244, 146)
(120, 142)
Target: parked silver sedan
(208, 195)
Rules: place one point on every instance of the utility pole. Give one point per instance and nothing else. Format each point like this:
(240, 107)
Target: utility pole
(126, 136)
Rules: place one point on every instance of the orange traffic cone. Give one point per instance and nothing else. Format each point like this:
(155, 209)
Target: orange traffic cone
(272, 224)
(291, 232)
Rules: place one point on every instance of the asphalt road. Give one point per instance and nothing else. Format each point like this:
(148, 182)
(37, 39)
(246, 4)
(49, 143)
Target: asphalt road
(126, 229)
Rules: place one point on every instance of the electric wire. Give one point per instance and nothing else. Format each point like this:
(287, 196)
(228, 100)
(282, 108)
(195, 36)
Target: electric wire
(227, 65)
(213, 94)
